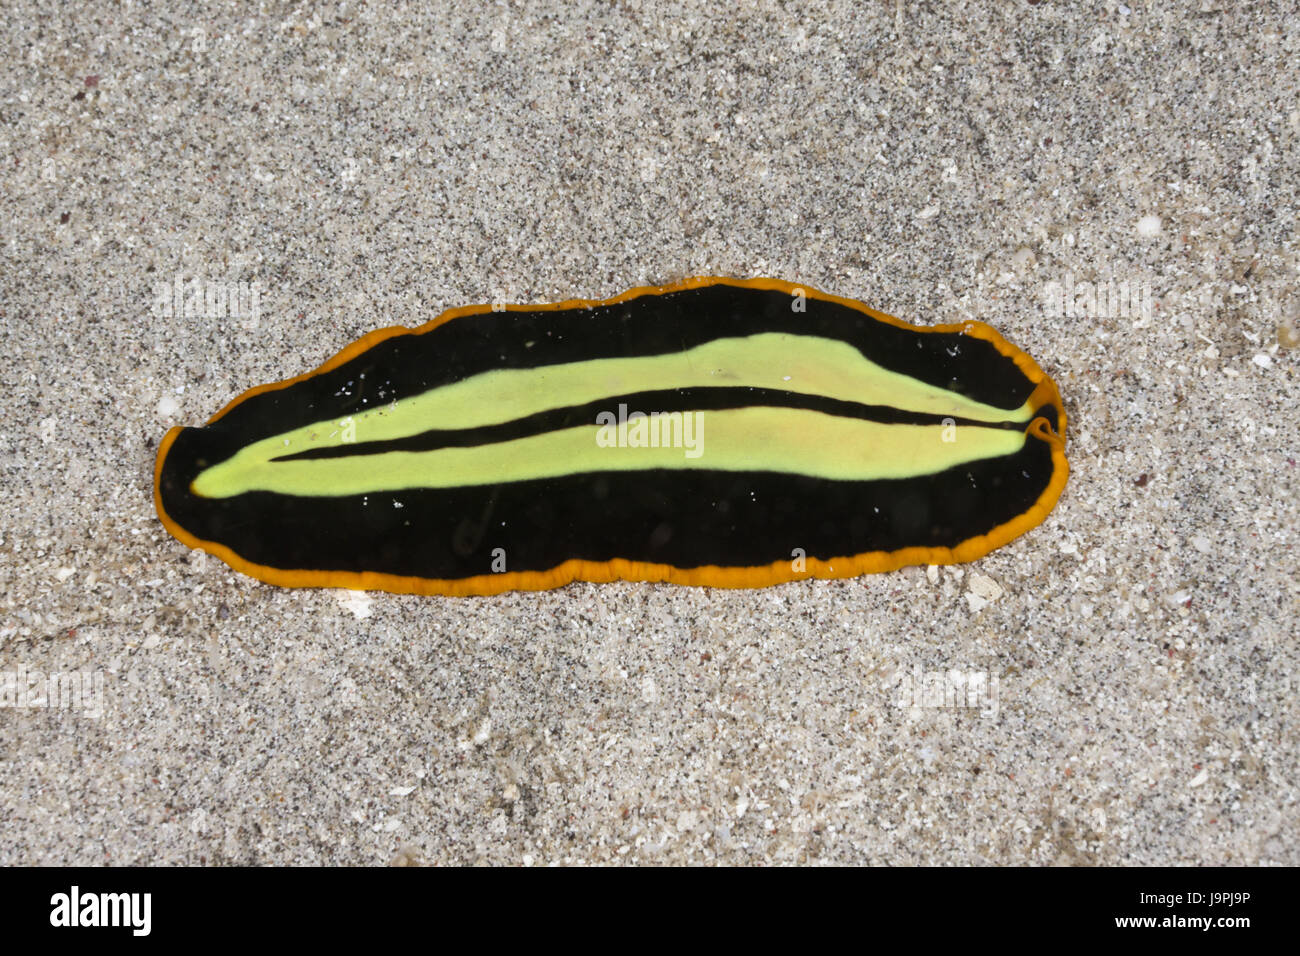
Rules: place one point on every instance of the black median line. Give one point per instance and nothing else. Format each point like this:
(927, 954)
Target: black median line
(708, 398)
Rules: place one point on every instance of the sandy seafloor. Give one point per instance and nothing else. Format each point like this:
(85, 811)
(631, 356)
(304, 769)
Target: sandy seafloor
(373, 165)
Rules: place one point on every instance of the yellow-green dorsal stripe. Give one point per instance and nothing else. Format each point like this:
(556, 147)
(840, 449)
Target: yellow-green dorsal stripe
(767, 439)
(806, 364)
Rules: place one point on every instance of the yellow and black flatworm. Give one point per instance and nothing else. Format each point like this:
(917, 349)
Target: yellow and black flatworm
(782, 433)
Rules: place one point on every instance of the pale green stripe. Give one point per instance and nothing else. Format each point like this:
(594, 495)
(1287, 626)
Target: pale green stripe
(809, 365)
(787, 440)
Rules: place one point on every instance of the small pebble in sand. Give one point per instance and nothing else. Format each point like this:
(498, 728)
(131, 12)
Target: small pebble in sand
(357, 602)
(1149, 226)
(1288, 336)
(983, 591)
(1023, 260)
(406, 856)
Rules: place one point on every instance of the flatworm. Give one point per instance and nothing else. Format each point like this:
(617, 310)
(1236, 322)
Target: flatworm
(720, 432)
